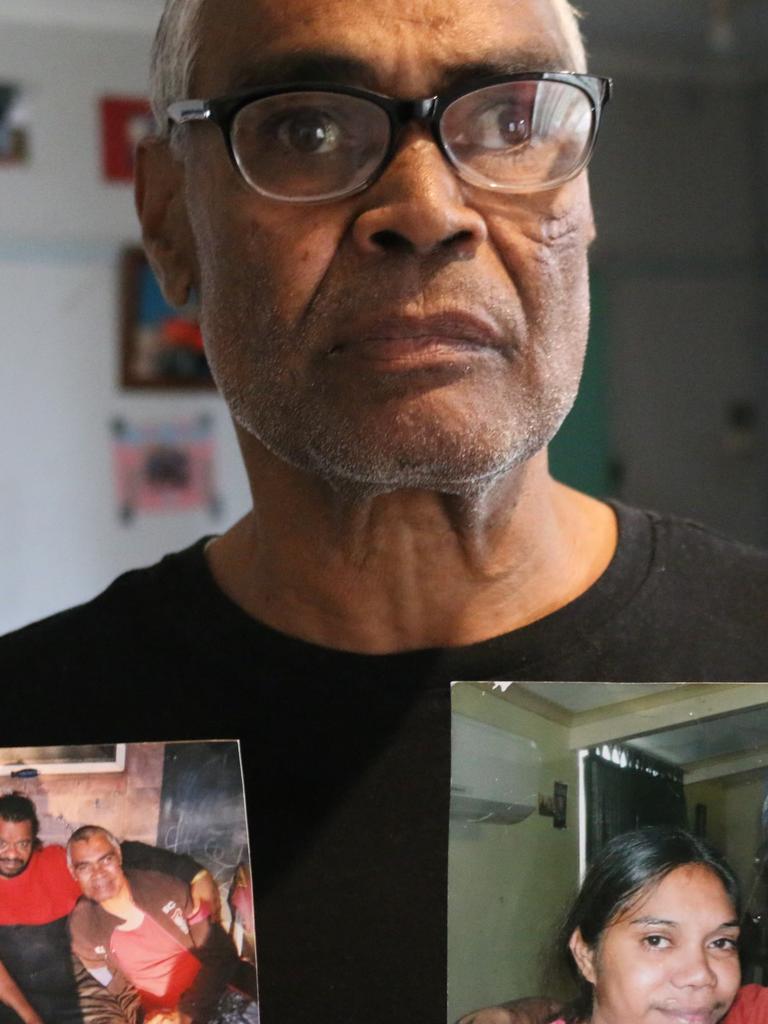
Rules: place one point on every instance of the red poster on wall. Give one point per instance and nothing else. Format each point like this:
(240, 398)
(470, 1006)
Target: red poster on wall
(125, 121)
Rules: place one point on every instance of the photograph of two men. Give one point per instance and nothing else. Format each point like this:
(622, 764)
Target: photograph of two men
(125, 886)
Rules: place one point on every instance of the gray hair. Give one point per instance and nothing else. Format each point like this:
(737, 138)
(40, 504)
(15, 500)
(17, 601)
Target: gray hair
(86, 832)
(177, 45)
(174, 54)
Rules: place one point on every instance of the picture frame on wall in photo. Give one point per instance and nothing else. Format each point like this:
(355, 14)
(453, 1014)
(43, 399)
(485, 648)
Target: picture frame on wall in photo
(161, 347)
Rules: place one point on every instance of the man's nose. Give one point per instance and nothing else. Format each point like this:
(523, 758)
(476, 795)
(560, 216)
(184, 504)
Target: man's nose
(418, 206)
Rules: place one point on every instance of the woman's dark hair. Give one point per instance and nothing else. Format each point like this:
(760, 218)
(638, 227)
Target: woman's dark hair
(624, 868)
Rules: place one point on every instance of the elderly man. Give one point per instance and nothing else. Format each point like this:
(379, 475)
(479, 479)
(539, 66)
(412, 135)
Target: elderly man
(382, 209)
(144, 929)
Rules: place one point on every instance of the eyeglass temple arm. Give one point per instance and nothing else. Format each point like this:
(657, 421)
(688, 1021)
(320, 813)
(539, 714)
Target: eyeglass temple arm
(188, 110)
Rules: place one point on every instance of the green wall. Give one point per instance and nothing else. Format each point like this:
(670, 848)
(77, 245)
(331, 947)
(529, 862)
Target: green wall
(581, 454)
(733, 819)
(713, 795)
(509, 884)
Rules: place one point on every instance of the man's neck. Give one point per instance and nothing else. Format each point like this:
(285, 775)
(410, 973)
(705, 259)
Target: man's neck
(122, 905)
(411, 569)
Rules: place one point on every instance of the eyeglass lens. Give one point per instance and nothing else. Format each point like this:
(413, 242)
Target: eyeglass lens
(308, 145)
(516, 136)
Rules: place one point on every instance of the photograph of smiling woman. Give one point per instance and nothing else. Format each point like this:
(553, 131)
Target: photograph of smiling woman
(652, 935)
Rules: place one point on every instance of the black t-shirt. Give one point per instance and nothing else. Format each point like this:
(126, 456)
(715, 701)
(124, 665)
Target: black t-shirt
(347, 757)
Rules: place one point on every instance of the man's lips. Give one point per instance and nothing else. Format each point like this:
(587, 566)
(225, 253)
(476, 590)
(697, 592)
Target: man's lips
(402, 343)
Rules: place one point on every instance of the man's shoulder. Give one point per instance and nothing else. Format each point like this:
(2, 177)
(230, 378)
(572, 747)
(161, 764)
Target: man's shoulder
(88, 921)
(148, 880)
(679, 602)
(688, 552)
(51, 858)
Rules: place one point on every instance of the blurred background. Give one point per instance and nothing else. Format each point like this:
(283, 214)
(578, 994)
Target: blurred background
(114, 448)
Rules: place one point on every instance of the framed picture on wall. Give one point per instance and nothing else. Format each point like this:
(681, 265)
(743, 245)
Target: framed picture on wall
(14, 139)
(125, 121)
(162, 347)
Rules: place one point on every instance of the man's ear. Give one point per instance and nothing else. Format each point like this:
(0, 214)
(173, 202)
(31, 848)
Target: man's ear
(584, 956)
(159, 194)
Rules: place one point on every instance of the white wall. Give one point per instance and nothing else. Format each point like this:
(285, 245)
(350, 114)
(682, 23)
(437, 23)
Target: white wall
(61, 228)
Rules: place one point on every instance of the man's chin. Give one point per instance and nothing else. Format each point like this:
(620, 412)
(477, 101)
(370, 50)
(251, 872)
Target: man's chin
(437, 467)
(12, 869)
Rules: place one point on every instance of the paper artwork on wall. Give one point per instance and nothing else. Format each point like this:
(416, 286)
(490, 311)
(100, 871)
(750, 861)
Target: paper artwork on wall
(14, 125)
(125, 121)
(164, 467)
(162, 347)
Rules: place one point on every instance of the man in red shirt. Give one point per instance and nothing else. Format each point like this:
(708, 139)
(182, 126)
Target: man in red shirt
(36, 895)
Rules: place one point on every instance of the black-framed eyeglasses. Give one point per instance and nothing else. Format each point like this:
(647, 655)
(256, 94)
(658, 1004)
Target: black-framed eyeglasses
(308, 142)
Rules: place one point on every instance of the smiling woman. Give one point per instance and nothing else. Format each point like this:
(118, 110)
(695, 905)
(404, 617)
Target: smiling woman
(653, 933)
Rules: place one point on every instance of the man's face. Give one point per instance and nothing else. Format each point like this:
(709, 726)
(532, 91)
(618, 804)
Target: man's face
(17, 843)
(424, 333)
(97, 866)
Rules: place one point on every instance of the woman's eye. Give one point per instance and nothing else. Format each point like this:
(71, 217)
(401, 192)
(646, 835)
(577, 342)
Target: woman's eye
(309, 131)
(726, 943)
(656, 941)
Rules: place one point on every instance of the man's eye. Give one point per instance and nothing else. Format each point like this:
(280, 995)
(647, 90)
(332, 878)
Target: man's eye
(309, 131)
(503, 126)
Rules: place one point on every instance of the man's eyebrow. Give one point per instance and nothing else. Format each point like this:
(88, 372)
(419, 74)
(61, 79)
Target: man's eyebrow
(345, 69)
(514, 63)
(306, 66)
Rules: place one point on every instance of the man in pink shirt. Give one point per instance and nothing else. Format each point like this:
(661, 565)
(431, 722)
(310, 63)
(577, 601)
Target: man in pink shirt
(144, 930)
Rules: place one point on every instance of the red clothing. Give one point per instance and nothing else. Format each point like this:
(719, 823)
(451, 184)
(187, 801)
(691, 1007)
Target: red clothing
(44, 891)
(749, 1007)
(156, 964)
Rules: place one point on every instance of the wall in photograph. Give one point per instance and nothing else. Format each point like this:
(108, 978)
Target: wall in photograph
(127, 802)
(495, 879)
(744, 798)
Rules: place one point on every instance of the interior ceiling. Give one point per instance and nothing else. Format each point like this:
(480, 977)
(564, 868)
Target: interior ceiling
(589, 696)
(740, 732)
(718, 737)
